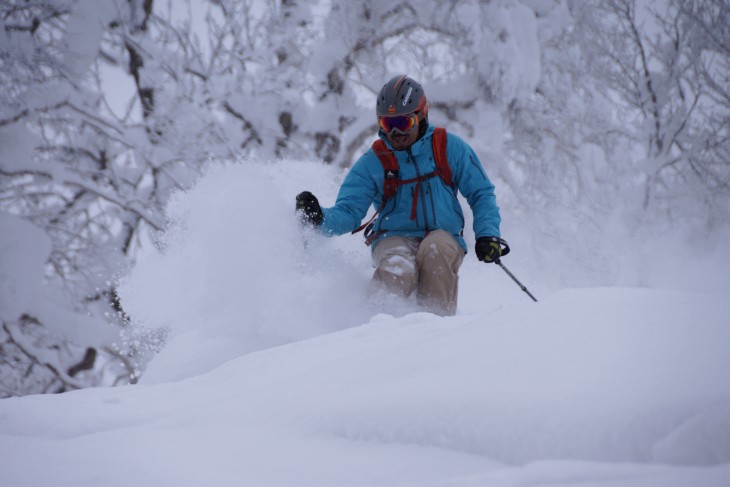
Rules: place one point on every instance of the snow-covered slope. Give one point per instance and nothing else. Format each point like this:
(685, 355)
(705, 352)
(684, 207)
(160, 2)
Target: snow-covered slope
(278, 372)
(617, 387)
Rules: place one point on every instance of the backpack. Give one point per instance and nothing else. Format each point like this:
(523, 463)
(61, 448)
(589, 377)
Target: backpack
(391, 182)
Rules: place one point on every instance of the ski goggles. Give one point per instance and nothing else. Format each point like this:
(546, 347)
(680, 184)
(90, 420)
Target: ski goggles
(400, 123)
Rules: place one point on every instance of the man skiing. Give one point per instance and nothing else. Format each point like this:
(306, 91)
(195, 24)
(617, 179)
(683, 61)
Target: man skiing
(411, 175)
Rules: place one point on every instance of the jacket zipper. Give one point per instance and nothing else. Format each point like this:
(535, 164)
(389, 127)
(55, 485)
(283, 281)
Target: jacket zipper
(433, 207)
(423, 203)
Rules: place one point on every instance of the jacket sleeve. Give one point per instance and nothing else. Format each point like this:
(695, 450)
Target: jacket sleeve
(356, 194)
(474, 184)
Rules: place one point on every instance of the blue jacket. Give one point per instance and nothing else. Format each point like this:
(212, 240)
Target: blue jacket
(437, 205)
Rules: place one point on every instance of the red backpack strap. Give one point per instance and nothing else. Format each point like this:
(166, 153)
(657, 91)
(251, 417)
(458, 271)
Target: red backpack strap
(390, 168)
(439, 151)
(390, 178)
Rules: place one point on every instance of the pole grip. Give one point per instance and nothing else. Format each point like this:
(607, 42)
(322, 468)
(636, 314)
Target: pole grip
(502, 243)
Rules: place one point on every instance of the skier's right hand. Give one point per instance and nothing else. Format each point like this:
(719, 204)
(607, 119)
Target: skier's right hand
(310, 213)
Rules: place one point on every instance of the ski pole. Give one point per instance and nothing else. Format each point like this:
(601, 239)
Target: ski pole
(522, 286)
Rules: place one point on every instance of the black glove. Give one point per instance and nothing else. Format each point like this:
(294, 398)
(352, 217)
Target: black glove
(488, 249)
(308, 209)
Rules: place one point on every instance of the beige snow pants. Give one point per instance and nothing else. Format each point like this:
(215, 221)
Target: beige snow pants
(429, 265)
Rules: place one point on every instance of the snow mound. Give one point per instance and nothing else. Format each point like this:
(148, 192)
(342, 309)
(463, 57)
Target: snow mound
(610, 386)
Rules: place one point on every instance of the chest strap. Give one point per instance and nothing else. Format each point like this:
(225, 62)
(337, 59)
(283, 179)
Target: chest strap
(391, 182)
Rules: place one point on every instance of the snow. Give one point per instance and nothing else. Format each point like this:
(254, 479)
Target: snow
(24, 249)
(278, 371)
(17, 142)
(224, 283)
(84, 32)
(532, 395)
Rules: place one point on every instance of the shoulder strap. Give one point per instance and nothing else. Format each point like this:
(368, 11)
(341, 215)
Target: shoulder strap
(390, 168)
(439, 151)
(390, 177)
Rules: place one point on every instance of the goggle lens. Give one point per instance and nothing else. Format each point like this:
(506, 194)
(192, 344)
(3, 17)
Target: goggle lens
(401, 123)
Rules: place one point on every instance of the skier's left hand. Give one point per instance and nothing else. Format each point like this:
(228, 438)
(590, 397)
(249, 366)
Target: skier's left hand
(488, 249)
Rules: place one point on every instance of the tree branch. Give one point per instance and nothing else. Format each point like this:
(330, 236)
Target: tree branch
(67, 382)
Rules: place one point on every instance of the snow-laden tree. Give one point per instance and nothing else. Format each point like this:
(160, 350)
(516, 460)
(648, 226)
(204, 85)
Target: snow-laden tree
(661, 69)
(299, 79)
(707, 149)
(109, 106)
(89, 181)
(624, 135)
(209, 79)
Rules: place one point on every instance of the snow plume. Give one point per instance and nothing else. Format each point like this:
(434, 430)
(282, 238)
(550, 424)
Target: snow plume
(235, 273)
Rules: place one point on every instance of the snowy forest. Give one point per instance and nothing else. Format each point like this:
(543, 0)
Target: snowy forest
(604, 124)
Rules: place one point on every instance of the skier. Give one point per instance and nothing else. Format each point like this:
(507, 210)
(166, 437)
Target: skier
(412, 180)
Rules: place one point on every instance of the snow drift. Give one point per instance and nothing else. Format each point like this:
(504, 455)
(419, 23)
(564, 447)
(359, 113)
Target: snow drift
(619, 387)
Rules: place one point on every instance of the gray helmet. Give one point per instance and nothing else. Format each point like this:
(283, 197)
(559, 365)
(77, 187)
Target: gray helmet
(401, 96)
